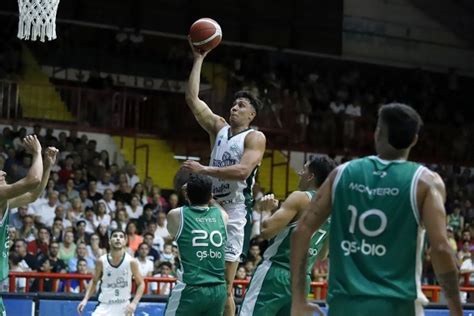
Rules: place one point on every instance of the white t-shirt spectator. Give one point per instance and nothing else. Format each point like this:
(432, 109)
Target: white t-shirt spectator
(145, 267)
(162, 232)
(104, 221)
(134, 215)
(101, 187)
(158, 243)
(110, 206)
(46, 214)
(132, 180)
(165, 287)
(337, 108)
(353, 110)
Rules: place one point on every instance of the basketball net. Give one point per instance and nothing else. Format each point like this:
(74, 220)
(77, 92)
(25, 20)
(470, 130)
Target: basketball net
(37, 19)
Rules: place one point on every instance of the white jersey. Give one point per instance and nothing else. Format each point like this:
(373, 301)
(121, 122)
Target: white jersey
(116, 281)
(228, 150)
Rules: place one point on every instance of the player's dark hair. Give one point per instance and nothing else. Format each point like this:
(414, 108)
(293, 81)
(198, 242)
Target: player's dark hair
(254, 101)
(321, 167)
(199, 189)
(403, 124)
(117, 230)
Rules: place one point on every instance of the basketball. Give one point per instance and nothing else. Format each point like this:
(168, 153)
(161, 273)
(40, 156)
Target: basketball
(205, 34)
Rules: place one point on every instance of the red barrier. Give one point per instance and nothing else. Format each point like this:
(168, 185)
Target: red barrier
(319, 289)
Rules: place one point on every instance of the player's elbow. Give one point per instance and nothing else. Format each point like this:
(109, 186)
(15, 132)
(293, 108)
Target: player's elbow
(33, 181)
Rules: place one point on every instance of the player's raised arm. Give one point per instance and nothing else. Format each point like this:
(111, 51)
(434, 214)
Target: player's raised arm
(211, 122)
(442, 256)
(92, 286)
(33, 177)
(29, 197)
(273, 224)
(316, 214)
(253, 154)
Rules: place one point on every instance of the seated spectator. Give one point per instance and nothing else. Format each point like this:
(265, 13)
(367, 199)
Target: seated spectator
(146, 218)
(93, 195)
(90, 219)
(67, 170)
(456, 220)
(17, 264)
(241, 275)
(154, 253)
(145, 265)
(19, 248)
(81, 234)
(57, 230)
(466, 237)
(57, 265)
(120, 221)
(101, 216)
(70, 191)
(123, 193)
(60, 213)
(134, 210)
(105, 183)
(134, 239)
(102, 232)
(139, 191)
(131, 173)
(81, 253)
(161, 229)
(16, 219)
(41, 244)
(165, 270)
(109, 202)
(250, 267)
(84, 196)
(63, 201)
(28, 231)
(44, 213)
(67, 249)
(465, 250)
(451, 239)
(75, 284)
(94, 250)
(104, 160)
(48, 283)
(255, 254)
(167, 254)
(173, 201)
(76, 211)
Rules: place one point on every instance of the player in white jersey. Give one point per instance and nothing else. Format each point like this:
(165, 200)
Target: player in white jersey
(114, 271)
(237, 152)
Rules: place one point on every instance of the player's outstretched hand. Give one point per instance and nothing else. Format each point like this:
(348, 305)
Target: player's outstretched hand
(50, 156)
(197, 53)
(32, 144)
(130, 309)
(307, 309)
(193, 166)
(268, 203)
(81, 306)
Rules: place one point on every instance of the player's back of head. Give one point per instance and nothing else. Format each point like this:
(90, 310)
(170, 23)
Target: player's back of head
(402, 124)
(321, 167)
(199, 189)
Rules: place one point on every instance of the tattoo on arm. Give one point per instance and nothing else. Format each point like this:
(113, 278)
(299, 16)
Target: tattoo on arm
(450, 283)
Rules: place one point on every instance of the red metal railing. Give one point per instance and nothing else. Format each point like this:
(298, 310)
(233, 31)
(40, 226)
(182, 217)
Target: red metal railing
(318, 289)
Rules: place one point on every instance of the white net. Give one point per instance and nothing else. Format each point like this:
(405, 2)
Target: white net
(37, 19)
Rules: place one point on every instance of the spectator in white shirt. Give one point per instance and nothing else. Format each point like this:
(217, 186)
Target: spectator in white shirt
(163, 288)
(101, 216)
(162, 230)
(145, 265)
(352, 112)
(134, 210)
(105, 183)
(132, 177)
(45, 213)
(109, 202)
(158, 241)
(59, 212)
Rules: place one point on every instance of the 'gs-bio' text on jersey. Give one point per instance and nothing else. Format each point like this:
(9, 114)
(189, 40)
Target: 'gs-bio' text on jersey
(116, 281)
(228, 150)
(376, 238)
(201, 239)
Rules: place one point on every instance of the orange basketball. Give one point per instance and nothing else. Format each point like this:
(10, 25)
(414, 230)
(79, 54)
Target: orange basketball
(205, 34)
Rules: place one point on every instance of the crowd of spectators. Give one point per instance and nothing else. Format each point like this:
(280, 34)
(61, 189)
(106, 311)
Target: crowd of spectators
(87, 196)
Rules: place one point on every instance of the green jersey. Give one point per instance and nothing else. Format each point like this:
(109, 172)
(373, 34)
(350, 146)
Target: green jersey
(201, 240)
(4, 244)
(376, 238)
(278, 250)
